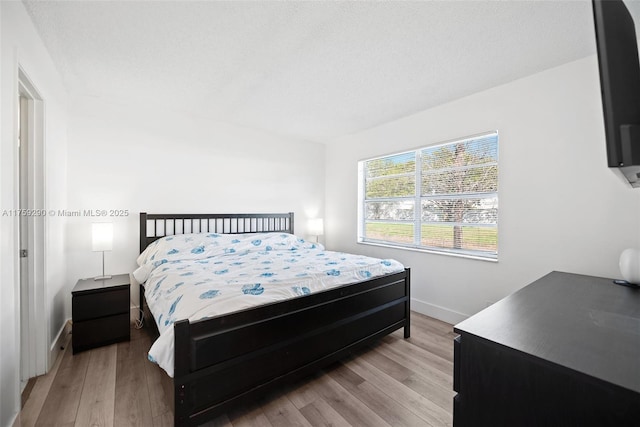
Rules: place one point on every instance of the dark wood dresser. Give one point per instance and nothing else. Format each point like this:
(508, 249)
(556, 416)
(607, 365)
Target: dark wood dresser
(100, 312)
(562, 351)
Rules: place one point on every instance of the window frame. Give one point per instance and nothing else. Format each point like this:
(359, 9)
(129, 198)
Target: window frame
(418, 199)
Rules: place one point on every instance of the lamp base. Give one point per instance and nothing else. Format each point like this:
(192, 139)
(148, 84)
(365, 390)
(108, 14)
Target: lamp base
(102, 278)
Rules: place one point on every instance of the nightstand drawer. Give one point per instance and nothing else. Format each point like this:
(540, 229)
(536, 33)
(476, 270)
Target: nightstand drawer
(105, 330)
(106, 303)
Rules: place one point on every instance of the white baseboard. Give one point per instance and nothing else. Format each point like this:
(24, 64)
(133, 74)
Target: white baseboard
(440, 313)
(56, 347)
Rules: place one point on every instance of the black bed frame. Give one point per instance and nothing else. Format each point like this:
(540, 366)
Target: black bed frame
(227, 360)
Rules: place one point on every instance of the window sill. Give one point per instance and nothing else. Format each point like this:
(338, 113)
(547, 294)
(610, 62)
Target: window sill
(428, 251)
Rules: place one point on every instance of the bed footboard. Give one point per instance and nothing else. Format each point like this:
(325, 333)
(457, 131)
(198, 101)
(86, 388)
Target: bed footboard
(229, 360)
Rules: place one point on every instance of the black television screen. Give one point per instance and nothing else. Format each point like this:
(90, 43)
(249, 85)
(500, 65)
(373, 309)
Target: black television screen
(619, 67)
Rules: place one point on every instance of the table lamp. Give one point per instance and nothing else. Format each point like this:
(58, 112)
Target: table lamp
(315, 227)
(102, 240)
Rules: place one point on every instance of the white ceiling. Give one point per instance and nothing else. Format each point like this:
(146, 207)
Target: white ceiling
(312, 70)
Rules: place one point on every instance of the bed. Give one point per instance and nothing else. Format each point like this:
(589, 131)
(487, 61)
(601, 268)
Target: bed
(220, 361)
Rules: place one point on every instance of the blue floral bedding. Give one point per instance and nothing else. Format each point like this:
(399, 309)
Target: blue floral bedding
(194, 276)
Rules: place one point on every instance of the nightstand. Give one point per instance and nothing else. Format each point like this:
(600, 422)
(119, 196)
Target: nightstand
(100, 312)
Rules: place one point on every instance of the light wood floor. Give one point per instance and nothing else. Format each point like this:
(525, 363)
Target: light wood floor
(396, 382)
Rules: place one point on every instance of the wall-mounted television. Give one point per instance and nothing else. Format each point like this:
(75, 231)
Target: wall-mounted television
(619, 67)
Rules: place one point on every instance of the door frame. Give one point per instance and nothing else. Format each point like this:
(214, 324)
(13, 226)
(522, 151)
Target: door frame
(33, 320)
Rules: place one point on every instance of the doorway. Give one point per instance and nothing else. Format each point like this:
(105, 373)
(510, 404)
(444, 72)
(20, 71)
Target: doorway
(31, 231)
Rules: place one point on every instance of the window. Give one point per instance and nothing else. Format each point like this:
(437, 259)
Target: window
(441, 198)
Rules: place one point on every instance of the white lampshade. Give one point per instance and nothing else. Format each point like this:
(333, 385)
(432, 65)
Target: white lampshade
(315, 227)
(102, 236)
(630, 265)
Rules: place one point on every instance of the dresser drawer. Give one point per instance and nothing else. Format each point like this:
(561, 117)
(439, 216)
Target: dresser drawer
(99, 304)
(105, 330)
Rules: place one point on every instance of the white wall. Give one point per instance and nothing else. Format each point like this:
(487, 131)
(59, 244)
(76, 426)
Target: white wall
(21, 46)
(561, 208)
(158, 161)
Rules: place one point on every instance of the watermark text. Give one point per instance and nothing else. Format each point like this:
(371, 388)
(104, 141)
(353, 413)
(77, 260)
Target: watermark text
(94, 213)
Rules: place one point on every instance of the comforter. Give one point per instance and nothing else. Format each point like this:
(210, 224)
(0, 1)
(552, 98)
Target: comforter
(196, 276)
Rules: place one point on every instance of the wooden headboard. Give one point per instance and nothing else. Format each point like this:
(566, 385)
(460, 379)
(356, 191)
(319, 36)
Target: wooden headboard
(155, 226)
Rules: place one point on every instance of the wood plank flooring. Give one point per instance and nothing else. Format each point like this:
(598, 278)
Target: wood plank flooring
(395, 382)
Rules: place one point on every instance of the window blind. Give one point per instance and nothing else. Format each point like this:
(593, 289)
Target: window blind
(443, 198)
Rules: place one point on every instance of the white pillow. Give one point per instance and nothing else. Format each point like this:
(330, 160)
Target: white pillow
(206, 245)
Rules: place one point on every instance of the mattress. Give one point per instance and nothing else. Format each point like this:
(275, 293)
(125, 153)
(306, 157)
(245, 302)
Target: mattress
(197, 276)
